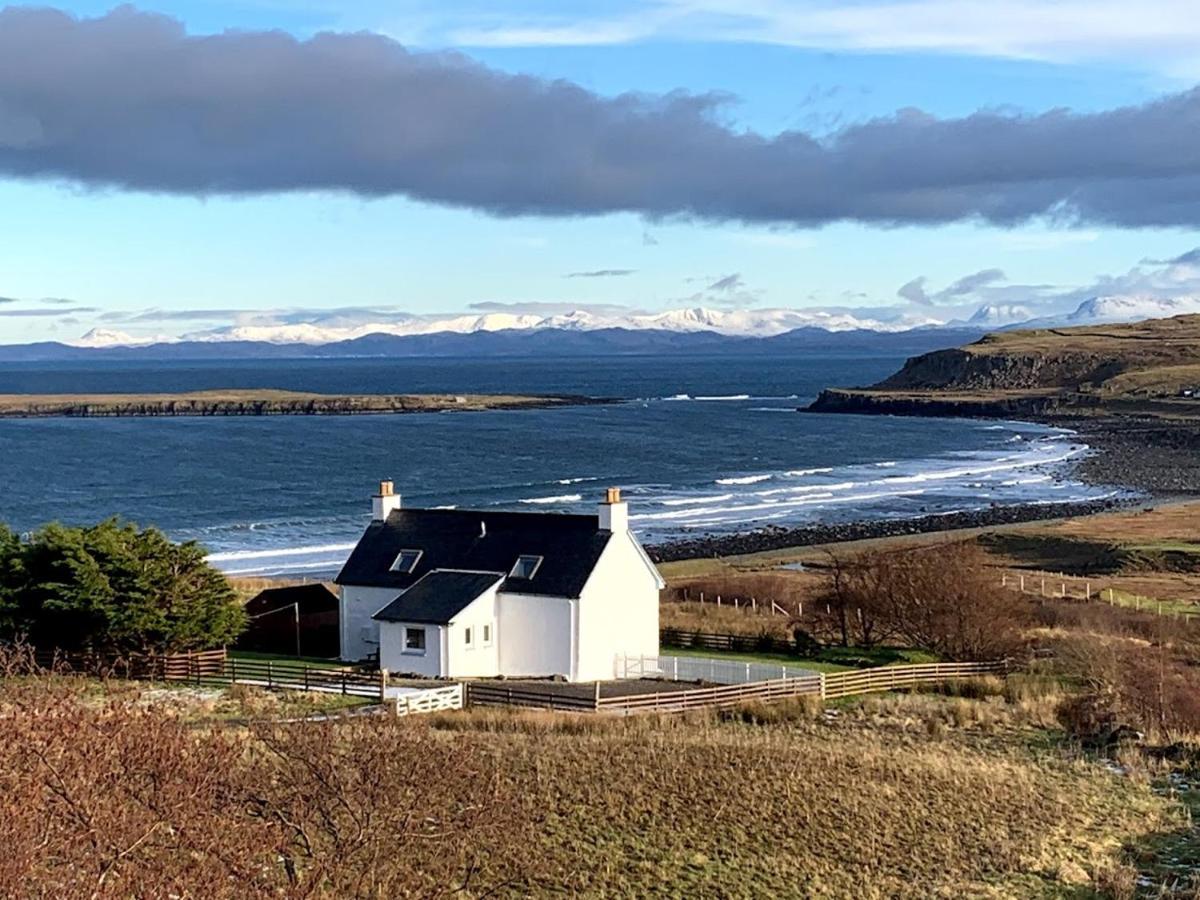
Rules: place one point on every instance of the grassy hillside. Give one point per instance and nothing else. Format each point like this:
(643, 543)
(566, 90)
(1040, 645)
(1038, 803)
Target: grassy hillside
(1144, 368)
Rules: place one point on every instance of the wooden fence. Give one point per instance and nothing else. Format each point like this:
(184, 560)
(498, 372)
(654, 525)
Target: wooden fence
(431, 700)
(715, 697)
(735, 643)
(892, 678)
(818, 684)
(496, 694)
(215, 667)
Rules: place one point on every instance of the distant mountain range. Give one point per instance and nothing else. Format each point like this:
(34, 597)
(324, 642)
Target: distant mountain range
(584, 333)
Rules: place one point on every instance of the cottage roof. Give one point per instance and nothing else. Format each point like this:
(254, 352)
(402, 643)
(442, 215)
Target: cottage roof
(439, 596)
(313, 598)
(569, 545)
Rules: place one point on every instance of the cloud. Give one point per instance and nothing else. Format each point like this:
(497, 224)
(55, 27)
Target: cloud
(727, 283)
(649, 240)
(1190, 258)
(1158, 34)
(131, 101)
(36, 313)
(8, 299)
(601, 273)
(967, 286)
(550, 308)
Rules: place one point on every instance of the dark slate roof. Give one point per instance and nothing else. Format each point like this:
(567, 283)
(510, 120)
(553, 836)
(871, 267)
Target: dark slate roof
(311, 597)
(438, 597)
(570, 547)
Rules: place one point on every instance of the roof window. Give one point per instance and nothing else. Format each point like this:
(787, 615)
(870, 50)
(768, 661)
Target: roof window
(406, 561)
(526, 567)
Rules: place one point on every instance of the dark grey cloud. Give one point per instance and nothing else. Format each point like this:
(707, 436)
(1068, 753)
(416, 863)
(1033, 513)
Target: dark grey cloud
(914, 291)
(601, 273)
(130, 100)
(8, 299)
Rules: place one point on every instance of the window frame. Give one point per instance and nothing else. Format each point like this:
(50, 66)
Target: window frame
(537, 564)
(487, 634)
(469, 636)
(415, 630)
(394, 567)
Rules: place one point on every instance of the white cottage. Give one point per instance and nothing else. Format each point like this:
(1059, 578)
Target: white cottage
(457, 593)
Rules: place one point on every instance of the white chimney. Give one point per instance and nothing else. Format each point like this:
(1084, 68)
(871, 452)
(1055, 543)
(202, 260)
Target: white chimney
(614, 512)
(385, 502)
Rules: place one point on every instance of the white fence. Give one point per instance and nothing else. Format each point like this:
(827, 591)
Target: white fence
(416, 700)
(705, 668)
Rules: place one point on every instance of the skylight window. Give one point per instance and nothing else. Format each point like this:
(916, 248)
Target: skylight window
(406, 561)
(526, 567)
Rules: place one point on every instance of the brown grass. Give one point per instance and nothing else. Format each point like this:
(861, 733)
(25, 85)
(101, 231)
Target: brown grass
(912, 796)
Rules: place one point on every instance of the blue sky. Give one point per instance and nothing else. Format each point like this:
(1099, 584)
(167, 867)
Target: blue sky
(115, 252)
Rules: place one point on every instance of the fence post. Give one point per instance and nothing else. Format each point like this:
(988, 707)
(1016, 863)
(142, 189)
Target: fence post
(821, 676)
(674, 668)
(596, 696)
(306, 678)
(383, 680)
(268, 673)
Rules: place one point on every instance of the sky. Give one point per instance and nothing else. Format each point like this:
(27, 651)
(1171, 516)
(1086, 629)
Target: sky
(181, 168)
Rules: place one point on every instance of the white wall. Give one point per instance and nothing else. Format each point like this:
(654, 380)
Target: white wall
(618, 610)
(360, 634)
(399, 661)
(479, 660)
(535, 635)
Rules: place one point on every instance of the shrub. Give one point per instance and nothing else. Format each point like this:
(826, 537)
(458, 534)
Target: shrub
(113, 587)
(942, 599)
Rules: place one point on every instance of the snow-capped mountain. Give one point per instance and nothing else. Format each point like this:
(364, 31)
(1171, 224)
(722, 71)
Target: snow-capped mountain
(735, 323)
(107, 337)
(1131, 308)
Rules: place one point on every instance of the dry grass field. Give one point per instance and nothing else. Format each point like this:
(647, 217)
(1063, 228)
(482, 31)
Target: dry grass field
(895, 796)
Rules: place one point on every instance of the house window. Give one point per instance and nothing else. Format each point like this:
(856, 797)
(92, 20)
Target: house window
(406, 561)
(487, 635)
(467, 637)
(414, 640)
(526, 567)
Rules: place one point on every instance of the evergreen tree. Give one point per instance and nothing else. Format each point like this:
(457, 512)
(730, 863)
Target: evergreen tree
(113, 587)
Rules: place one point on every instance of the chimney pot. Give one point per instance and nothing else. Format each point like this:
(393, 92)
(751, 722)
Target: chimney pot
(614, 512)
(385, 502)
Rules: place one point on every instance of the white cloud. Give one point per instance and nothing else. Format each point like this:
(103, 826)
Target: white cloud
(1157, 34)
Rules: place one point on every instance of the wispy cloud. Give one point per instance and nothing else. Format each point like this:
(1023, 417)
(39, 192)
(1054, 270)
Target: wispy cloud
(45, 313)
(914, 291)
(727, 283)
(1158, 35)
(361, 114)
(550, 308)
(601, 273)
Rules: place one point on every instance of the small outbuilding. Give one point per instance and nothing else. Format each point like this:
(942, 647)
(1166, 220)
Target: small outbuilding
(451, 593)
(298, 620)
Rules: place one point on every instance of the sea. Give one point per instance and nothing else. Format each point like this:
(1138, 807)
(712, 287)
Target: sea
(700, 445)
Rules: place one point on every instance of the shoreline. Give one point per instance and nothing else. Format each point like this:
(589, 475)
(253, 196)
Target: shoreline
(269, 402)
(784, 538)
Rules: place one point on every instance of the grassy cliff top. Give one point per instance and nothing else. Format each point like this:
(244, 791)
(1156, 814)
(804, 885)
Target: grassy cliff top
(261, 401)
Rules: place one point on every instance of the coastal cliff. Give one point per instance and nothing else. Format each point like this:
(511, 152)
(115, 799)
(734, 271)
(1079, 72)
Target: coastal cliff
(1146, 368)
(265, 403)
